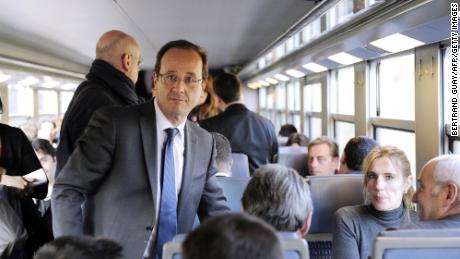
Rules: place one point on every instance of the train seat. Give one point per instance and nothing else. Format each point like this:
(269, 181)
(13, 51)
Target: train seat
(417, 244)
(240, 166)
(330, 193)
(293, 157)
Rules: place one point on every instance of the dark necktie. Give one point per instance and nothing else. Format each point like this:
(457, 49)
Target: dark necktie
(167, 223)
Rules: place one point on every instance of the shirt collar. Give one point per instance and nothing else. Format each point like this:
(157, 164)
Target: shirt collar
(163, 123)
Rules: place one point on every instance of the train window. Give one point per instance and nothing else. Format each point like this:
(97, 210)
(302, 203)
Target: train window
(47, 102)
(312, 108)
(456, 147)
(343, 91)
(395, 87)
(64, 99)
(312, 97)
(344, 131)
(294, 96)
(293, 103)
(270, 97)
(262, 98)
(339, 13)
(314, 127)
(281, 97)
(20, 100)
(401, 139)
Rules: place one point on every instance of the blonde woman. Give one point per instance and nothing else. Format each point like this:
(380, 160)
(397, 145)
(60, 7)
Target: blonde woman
(387, 191)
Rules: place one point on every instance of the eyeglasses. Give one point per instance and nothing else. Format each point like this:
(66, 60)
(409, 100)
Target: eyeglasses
(172, 79)
(139, 61)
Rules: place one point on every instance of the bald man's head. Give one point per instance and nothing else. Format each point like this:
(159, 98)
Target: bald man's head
(121, 51)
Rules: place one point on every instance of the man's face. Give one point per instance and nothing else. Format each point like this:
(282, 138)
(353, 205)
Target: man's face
(429, 204)
(48, 164)
(177, 99)
(320, 161)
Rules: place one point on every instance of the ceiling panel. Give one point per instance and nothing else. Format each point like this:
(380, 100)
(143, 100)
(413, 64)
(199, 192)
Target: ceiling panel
(231, 31)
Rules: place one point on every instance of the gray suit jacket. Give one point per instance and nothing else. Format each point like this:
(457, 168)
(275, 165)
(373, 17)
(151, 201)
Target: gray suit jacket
(113, 172)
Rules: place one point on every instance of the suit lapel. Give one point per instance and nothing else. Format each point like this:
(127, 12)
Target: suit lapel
(149, 144)
(191, 149)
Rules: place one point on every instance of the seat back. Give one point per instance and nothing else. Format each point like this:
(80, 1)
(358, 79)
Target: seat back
(328, 194)
(294, 157)
(240, 167)
(282, 141)
(233, 188)
(417, 244)
(293, 246)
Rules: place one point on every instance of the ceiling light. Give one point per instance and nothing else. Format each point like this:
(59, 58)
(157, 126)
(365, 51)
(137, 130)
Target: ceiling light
(69, 86)
(281, 77)
(4, 77)
(28, 81)
(271, 80)
(295, 73)
(252, 86)
(263, 83)
(344, 58)
(50, 84)
(315, 67)
(396, 42)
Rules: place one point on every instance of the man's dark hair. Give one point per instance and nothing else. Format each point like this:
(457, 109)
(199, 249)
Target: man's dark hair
(183, 44)
(228, 87)
(286, 130)
(356, 150)
(223, 148)
(77, 247)
(43, 145)
(232, 236)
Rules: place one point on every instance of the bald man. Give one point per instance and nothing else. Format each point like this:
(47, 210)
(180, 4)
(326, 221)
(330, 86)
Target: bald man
(110, 82)
(437, 196)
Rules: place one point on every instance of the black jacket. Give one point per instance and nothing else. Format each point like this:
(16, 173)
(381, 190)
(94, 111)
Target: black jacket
(248, 133)
(18, 158)
(105, 86)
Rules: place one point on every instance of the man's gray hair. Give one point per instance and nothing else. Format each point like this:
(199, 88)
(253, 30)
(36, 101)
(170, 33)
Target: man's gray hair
(446, 170)
(280, 196)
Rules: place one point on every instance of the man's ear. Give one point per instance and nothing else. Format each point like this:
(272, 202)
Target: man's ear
(126, 62)
(452, 194)
(306, 226)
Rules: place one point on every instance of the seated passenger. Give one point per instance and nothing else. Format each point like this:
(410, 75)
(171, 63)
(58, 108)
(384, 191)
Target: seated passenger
(280, 197)
(232, 236)
(286, 130)
(354, 153)
(297, 140)
(78, 247)
(47, 156)
(323, 156)
(387, 194)
(224, 159)
(437, 195)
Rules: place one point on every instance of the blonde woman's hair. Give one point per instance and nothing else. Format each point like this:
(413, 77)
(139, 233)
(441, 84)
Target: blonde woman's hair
(399, 159)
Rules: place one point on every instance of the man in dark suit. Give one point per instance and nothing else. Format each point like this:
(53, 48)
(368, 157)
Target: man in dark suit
(248, 132)
(117, 172)
(110, 81)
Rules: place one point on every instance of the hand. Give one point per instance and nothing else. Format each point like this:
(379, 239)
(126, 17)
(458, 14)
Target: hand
(14, 181)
